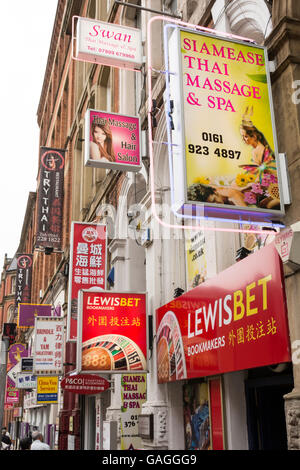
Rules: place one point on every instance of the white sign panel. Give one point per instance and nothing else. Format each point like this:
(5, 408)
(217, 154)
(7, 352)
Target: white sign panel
(108, 44)
(26, 381)
(283, 243)
(48, 346)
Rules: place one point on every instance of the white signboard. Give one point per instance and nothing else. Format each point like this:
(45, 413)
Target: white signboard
(48, 346)
(283, 243)
(26, 381)
(108, 44)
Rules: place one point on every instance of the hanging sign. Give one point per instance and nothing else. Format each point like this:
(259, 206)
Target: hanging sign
(48, 346)
(26, 381)
(24, 277)
(87, 266)
(11, 392)
(112, 332)
(50, 199)
(85, 384)
(112, 141)
(107, 43)
(47, 390)
(28, 312)
(232, 322)
(223, 128)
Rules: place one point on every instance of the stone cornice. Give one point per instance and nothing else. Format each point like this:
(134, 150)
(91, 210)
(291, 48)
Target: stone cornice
(283, 44)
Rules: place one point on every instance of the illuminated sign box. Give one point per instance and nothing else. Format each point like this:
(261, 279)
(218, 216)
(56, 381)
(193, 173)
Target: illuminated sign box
(112, 332)
(112, 141)
(235, 321)
(224, 155)
(88, 259)
(107, 43)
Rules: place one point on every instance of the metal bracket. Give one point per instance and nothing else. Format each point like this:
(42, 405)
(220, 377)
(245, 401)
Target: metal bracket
(139, 7)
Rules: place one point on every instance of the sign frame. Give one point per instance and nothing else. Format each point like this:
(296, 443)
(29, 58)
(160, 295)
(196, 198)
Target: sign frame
(146, 426)
(103, 59)
(47, 398)
(181, 205)
(241, 323)
(79, 335)
(48, 372)
(111, 165)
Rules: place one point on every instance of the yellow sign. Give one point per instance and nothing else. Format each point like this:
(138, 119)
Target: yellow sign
(47, 390)
(133, 395)
(228, 136)
(196, 266)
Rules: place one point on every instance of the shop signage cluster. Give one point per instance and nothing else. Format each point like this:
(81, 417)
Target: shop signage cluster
(233, 322)
(87, 266)
(107, 43)
(112, 332)
(224, 128)
(24, 277)
(50, 199)
(112, 141)
(28, 312)
(48, 346)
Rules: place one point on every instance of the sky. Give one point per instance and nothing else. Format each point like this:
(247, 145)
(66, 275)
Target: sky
(25, 34)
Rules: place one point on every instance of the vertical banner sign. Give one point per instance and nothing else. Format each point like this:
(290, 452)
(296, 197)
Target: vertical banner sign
(48, 346)
(98, 424)
(112, 332)
(87, 266)
(133, 395)
(225, 126)
(24, 277)
(50, 198)
(232, 322)
(112, 141)
(15, 354)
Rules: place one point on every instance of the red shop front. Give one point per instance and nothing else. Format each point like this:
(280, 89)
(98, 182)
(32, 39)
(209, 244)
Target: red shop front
(233, 322)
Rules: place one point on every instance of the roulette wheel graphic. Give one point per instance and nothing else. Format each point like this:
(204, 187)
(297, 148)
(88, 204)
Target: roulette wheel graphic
(112, 352)
(170, 351)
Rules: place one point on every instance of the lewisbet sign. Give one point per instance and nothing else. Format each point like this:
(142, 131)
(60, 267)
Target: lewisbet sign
(235, 321)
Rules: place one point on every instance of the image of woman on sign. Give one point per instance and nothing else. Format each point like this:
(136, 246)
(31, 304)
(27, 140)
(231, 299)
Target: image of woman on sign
(101, 147)
(263, 158)
(261, 171)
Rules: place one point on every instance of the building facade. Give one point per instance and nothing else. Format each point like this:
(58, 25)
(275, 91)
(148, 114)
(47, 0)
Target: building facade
(248, 408)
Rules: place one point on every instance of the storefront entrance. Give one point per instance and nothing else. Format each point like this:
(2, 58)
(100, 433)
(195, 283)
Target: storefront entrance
(265, 408)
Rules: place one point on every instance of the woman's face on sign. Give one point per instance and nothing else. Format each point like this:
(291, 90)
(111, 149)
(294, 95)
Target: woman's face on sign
(248, 139)
(99, 135)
